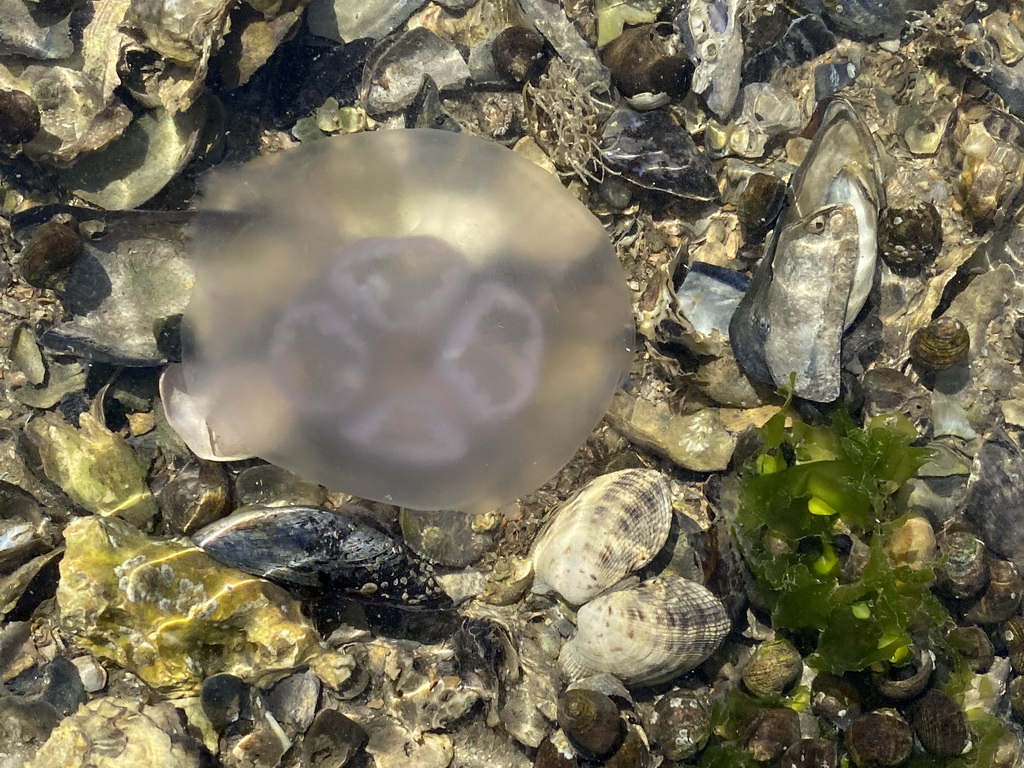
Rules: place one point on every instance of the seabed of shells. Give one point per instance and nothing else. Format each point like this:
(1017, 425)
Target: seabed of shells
(816, 207)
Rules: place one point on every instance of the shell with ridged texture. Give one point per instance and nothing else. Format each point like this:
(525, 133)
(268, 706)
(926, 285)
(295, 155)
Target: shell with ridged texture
(614, 526)
(647, 634)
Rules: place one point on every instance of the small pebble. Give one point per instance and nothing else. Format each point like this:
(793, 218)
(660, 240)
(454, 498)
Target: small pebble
(332, 740)
(62, 687)
(19, 117)
(273, 486)
(91, 672)
(294, 699)
(225, 699)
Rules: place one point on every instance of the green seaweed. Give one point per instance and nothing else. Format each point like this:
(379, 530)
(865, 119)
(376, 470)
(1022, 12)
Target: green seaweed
(808, 484)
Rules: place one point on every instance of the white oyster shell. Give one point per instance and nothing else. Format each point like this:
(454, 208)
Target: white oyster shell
(615, 525)
(647, 634)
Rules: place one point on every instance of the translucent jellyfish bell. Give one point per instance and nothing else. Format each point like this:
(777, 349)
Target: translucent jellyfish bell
(411, 316)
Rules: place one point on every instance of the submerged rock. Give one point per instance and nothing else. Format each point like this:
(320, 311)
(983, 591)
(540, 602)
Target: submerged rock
(167, 612)
(119, 733)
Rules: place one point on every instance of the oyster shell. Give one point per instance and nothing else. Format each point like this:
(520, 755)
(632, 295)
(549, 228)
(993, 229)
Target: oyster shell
(648, 634)
(615, 525)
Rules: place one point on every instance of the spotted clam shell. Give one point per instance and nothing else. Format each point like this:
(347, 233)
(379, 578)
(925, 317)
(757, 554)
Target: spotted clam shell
(647, 634)
(614, 526)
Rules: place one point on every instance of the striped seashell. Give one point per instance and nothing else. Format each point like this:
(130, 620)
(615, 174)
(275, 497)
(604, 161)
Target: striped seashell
(614, 526)
(647, 634)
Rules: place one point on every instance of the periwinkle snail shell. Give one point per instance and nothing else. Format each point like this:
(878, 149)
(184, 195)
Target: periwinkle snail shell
(591, 721)
(940, 345)
(614, 526)
(940, 724)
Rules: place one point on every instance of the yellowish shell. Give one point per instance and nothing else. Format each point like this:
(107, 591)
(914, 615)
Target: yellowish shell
(647, 634)
(615, 525)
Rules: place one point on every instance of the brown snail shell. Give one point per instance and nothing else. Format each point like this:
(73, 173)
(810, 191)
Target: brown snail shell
(964, 567)
(649, 58)
(879, 740)
(19, 117)
(909, 238)
(835, 699)
(591, 722)
(940, 724)
(770, 731)
(195, 497)
(761, 201)
(976, 648)
(647, 634)
(773, 668)
(555, 752)
(54, 248)
(940, 345)
(1016, 691)
(1013, 635)
(614, 526)
(680, 724)
(902, 683)
(518, 54)
(1002, 596)
(634, 752)
(811, 753)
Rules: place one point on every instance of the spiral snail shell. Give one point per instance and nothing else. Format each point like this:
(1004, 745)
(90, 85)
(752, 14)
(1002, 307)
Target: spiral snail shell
(940, 345)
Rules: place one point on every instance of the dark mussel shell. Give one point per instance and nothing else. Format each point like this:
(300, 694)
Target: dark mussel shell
(322, 550)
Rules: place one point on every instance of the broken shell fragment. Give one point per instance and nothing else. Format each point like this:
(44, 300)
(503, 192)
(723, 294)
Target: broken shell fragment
(647, 634)
(94, 466)
(614, 526)
(651, 150)
(322, 550)
(141, 161)
(119, 732)
(712, 32)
